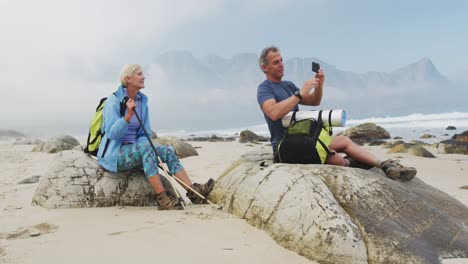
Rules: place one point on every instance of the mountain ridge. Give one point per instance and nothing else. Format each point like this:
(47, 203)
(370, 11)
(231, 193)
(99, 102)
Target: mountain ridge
(224, 89)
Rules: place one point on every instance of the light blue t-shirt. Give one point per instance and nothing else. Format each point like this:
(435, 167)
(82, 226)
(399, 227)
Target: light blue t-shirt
(278, 91)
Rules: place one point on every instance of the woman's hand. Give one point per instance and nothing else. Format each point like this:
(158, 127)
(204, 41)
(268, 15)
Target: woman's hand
(130, 107)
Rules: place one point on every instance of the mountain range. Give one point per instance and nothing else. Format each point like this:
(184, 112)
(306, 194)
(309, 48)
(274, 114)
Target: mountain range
(214, 92)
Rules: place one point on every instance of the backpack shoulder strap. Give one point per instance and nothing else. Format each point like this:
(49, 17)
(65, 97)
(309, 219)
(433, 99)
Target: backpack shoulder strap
(291, 122)
(123, 106)
(330, 127)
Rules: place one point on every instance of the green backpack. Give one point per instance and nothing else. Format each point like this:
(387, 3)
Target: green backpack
(95, 134)
(306, 141)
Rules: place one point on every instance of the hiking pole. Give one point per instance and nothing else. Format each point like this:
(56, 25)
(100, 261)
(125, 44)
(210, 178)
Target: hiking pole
(159, 159)
(126, 98)
(197, 193)
(190, 188)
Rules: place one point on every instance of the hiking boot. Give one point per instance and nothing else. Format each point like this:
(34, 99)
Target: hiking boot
(357, 164)
(203, 189)
(395, 171)
(167, 202)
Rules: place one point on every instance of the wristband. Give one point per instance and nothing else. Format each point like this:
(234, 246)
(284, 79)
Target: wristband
(298, 94)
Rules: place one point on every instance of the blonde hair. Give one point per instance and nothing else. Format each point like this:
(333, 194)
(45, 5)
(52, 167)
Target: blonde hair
(128, 70)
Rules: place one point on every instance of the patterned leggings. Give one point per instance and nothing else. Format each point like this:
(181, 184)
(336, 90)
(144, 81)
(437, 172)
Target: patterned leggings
(142, 156)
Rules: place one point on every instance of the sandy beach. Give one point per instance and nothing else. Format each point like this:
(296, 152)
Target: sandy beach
(32, 234)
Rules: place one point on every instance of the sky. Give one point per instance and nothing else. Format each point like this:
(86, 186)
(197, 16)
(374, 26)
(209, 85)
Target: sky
(53, 52)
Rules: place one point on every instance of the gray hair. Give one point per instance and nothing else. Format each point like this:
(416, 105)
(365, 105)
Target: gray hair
(262, 60)
(128, 70)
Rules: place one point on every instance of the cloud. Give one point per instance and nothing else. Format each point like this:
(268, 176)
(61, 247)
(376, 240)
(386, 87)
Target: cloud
(60, 57)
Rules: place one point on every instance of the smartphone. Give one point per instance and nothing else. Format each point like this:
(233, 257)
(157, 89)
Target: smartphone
(315, 67)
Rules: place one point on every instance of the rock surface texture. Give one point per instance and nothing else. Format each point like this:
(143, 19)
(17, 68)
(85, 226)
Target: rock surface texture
(334, 214)
(75, 180)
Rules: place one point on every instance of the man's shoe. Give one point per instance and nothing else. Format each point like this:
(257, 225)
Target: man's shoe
(395, 171)
(167, 202)
(203, 189)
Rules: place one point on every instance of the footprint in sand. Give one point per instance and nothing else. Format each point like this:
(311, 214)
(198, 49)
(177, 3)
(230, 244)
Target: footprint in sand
(31, 231)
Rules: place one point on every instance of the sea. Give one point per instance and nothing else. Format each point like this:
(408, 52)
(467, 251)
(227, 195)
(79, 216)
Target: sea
(409, 127)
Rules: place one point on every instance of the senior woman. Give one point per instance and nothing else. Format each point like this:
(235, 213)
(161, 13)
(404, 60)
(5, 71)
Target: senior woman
(124, 145)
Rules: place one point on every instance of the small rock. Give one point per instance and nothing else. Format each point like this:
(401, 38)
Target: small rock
(427, 136)
(32, 179)
(450, 128)
(34, 233)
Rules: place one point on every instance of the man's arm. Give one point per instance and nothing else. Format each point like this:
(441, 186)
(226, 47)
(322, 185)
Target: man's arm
(276, 110)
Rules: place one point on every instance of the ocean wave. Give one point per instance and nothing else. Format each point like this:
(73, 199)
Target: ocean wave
(409, 127)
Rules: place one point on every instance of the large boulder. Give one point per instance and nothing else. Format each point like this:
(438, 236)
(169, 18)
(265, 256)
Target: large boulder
(74, 179)
(413, 149)
(249, 136)
(458, 144)
(366, 132)
(57, 144)
(334, 214)
(452, 147)
(181, 148)
(463, 137)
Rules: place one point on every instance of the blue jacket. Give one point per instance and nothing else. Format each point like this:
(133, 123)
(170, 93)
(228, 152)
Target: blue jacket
(115, 127)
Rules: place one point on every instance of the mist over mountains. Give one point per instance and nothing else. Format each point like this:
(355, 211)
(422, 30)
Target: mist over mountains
(212, 92)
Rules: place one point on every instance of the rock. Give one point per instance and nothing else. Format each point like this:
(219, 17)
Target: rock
(154, 135)
(34, 233)
(452, 147)
(213, 138)
(32, 179)
(27, 141)
(74, 179)
(249, 136)
(181, 148)
(333, 214)
(397, 138)
(464, 187)
(57, 144)
(417, 142)
(377, 142)
(427, 136)
(392, 144)
(366, 132)
(450, 128)
(463, 137)
(79, 147)
(413, 149)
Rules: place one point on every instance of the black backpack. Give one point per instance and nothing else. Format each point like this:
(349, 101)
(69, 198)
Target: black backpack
(306, 141)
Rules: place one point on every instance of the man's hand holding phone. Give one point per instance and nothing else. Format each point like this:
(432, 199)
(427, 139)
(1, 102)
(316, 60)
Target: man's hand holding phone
(309, 86)
(318, 72)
